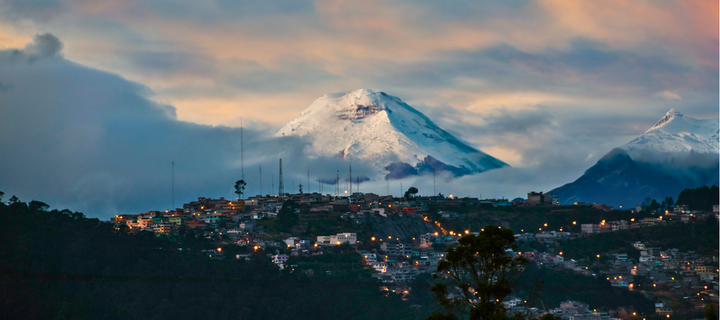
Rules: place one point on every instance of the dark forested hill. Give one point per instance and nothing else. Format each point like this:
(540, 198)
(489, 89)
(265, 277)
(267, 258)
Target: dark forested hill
(61, 265)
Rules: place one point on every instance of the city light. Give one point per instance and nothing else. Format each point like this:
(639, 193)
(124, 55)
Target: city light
(373, 238)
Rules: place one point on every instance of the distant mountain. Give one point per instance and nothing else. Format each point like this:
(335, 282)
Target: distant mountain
(673, 138)
(677, 152)
(383, 131)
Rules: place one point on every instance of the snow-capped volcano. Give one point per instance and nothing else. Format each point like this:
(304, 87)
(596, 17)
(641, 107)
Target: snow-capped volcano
(673, 135)
(677, 152)
(383, 131)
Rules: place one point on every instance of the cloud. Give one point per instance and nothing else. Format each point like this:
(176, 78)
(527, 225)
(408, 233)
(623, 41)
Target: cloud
(44, 46)
(40, 10)
(91, 141)
(667, 95)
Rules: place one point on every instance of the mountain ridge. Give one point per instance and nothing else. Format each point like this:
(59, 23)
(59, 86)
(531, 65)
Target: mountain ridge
(677, 152)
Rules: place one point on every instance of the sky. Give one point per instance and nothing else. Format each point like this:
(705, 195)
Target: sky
(98, 98)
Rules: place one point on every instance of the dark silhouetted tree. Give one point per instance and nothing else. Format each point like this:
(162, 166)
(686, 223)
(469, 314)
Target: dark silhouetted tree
(710, 312)
(482, 274)
(410, 193)
(240, 188)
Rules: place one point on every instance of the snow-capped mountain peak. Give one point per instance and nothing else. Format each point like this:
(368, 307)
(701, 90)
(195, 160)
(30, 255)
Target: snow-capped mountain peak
(675, 134)
(385, 132)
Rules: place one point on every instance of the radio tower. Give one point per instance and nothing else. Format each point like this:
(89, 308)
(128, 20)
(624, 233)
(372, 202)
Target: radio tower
(434, 193)
(281, 188)
(173, 186)
(260, 179)
(337, 184)
(350, 192)
(242, 161)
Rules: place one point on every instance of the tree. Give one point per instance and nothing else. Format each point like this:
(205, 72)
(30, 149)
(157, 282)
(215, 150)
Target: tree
(240, 188)
(710, 312)
(300, 187)
(287, 218)
(482, 274)
(410, 193)
(654, 205)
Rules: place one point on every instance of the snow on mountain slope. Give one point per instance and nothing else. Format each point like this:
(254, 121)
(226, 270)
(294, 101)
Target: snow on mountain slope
(383, 131)
(678, 152)
(676, 134)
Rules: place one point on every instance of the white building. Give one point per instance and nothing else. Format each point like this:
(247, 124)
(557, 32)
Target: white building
(280, 260)
(370, 257)
(340, 238)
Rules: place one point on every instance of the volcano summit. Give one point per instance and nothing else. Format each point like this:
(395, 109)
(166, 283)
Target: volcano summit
(386, 133)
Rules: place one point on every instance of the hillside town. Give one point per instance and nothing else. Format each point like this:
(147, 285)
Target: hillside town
(666, 274)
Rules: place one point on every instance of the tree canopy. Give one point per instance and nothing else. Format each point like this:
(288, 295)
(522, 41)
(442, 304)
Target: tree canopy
(482, 273)
(240, 188)
(410, 193)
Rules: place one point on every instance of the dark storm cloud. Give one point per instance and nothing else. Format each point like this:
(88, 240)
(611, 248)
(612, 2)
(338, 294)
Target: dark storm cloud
(44, 46)
(88, 140)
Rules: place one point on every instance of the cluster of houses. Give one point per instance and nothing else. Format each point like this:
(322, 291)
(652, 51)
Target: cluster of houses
(667, 273)
(675, 273)
(575, 310)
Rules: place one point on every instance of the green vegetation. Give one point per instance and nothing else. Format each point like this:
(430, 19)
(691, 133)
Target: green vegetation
(61, 265)
(344, 263)
(289, 215)
(700, 236)
(482, 274)
(529, 219)
(563, 285)
(702, 198)
(410, 193)
(240, 188)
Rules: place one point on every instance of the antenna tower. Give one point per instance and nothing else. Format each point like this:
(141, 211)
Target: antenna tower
(350, 191)
(308, 182)
(242, 160)
(260, 179)
(173, 186)
(337, 183)
(434, 193)
(281, 188)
